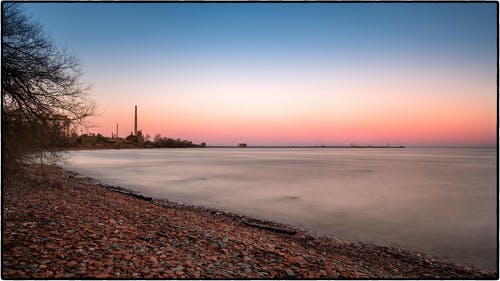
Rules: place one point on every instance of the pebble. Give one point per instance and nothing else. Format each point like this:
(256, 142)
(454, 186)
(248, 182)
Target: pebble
(178, 268)
(102, 275)
(89, 231)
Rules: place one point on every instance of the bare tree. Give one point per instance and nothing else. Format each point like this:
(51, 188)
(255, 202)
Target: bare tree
(43, 95)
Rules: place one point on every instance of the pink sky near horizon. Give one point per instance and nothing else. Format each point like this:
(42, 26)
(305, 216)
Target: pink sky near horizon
(408, 108)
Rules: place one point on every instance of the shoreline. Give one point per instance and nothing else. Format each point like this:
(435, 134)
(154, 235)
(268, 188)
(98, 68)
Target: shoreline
(243, 251)
(77, 148)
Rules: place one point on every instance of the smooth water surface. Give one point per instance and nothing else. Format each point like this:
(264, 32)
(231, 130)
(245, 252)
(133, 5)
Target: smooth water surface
(437, 201)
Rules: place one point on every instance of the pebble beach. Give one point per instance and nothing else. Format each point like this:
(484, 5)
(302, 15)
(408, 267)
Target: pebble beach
(60, 225)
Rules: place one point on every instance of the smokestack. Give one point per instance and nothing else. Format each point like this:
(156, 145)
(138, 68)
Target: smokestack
(135, 122)
(116, 130)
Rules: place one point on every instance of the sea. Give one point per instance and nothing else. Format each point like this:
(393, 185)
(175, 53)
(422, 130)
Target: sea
(438, 201)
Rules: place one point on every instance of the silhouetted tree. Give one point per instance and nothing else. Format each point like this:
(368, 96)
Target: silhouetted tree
(43, 96)
(157, 138)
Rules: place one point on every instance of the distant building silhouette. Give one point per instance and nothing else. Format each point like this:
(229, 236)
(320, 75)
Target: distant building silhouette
(135, 122)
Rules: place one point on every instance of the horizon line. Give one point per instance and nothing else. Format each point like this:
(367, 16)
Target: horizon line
(343, 146)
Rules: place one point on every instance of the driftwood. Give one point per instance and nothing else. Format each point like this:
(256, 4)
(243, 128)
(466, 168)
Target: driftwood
(132, 194)
(271, 228)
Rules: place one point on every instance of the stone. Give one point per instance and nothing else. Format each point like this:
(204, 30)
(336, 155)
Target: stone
(102, 275)
(178, 268)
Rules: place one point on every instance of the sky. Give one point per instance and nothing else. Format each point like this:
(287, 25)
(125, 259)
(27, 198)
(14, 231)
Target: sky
(414, 74)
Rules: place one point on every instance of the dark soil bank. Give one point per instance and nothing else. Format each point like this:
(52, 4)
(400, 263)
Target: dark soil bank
(57, 225)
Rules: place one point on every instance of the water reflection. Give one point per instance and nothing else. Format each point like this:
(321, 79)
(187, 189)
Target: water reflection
(439, 201)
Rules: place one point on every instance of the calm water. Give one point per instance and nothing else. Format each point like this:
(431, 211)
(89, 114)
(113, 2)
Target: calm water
(438, 201)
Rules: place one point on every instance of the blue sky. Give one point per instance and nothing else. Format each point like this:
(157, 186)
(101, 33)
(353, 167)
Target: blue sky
(227, 28)
(168, 48)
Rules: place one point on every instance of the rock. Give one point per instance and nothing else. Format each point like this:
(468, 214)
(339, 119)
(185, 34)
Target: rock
(33, 265)
(289, 272)
(169, 273)
(145, 271)
(214, 246)
(178, 268)
(102, 275)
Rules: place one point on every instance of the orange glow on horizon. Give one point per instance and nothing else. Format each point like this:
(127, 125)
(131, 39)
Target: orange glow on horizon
(338, 112)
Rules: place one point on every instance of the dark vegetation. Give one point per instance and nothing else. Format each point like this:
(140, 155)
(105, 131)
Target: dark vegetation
(159, 142)
(45, 101)
(44, 98)
(131, 141)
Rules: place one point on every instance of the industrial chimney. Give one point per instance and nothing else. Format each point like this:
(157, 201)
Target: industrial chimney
(135, 122)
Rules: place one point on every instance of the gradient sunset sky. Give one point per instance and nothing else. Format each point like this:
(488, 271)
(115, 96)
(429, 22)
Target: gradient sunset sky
(417, 74)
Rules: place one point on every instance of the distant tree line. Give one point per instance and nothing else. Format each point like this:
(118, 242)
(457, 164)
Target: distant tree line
(131, 141)
(159, 142)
